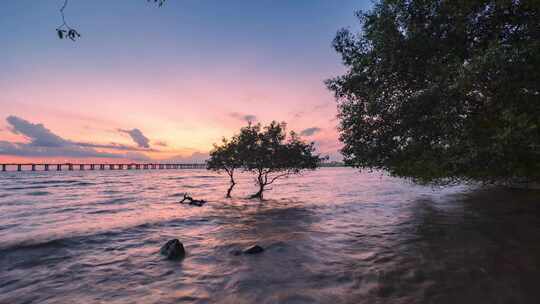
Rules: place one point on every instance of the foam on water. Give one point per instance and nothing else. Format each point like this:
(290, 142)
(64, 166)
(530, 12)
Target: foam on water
(334, 235)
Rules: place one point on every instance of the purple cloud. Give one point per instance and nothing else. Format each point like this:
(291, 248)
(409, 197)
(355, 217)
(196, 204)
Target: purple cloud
(138, 137)
(310, 131)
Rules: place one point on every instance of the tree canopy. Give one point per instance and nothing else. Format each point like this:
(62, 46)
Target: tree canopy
(442, 90)
(267, 152)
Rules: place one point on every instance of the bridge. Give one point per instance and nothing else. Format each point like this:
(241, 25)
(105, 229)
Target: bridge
(82, 167)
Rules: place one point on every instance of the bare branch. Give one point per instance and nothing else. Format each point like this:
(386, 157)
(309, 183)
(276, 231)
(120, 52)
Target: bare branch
(286, 174)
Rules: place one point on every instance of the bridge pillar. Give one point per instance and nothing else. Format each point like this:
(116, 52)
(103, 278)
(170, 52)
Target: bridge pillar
(70, 167)
(81, 167)
(3, 167)
(101, 167)
(46, 167)
(33, 167)
(58, 167)
(19, 167)
(120, 167)
(145, 166)
(129, 167)
(111, 167)
(137, 166)
(92, 166)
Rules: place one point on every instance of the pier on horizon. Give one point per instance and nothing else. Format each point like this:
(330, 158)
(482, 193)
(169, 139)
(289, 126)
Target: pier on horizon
(96, 166)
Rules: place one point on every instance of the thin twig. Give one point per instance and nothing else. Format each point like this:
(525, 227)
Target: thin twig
(64, 23)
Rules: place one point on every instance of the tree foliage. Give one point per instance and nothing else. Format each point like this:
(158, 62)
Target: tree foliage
(267, 152)
(225, 157)
(442, 90)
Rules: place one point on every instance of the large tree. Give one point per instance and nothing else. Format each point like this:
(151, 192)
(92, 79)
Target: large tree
(443, 90)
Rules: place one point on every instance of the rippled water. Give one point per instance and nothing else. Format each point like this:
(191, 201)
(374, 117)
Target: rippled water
(331, 236)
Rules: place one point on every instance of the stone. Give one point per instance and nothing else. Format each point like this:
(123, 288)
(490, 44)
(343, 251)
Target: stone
(253, 250)
(173, 250)
(236, 252)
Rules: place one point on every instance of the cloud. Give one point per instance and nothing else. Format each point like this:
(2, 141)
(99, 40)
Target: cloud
(243, 117)
(70, 150)
(44, 143)
(115, 146)
(38, 135)
(310, 131)
(195, 157)
(161, 143)
(138, 137)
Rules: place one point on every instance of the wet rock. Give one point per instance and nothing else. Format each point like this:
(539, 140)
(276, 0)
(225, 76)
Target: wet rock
(173, 250)
(236, 252)
(419, 276)
(385, 291)
(253, 250)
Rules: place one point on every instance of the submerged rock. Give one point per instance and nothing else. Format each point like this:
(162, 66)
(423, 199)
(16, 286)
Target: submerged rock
(253, 250)
(236, 252)
(173, 250)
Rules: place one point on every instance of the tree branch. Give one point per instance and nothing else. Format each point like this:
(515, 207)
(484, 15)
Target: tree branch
(278, 176)
(64, 30)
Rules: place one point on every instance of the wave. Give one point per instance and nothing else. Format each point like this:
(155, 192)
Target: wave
(25, 188)
(194, 176)
(99, 237)
(115, 201)
(179, 194)
(109, 211)
(176, 178)
(59, 181)
(205, 176)
(45, 185)
(38, 193)
(83, 184)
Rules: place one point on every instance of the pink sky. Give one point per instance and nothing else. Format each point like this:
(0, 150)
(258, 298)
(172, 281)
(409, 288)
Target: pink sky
(180, 116)
(183, 91)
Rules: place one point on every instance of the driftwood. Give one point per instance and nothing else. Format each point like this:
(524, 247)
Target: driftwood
(191, 201)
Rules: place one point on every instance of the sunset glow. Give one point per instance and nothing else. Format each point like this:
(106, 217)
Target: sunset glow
(184, 76)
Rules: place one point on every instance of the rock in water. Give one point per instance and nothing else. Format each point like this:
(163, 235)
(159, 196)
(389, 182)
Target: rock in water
(236, 252)
(254, 250)
(173, 250)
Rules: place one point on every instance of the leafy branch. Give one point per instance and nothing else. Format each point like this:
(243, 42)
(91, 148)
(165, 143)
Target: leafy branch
(64, 30)
(159, 2)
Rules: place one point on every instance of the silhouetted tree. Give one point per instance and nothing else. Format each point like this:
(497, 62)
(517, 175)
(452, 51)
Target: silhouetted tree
(443, 90)
(226, 157)
(267, 152)
(271, 155)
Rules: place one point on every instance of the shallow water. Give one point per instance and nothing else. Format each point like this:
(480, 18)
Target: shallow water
(331, 236)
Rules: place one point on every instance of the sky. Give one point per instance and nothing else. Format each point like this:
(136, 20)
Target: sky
(145, 83)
